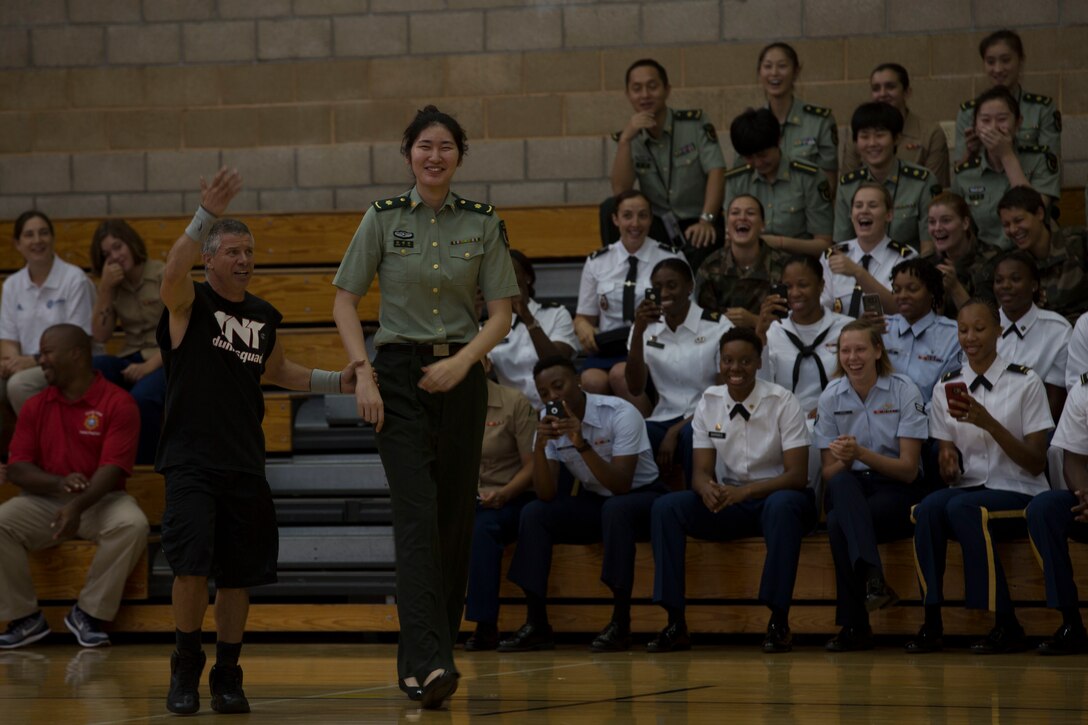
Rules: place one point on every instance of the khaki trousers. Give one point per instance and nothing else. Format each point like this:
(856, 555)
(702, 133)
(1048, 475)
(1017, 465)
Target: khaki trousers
(21, 386)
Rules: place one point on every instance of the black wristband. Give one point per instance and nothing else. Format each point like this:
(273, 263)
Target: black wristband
(584, 447)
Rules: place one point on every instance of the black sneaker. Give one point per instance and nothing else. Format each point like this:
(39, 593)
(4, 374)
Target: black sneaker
(185, 671)
(227, 694)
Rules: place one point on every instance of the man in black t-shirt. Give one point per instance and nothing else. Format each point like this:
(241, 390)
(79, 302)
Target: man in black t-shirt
(217, 343)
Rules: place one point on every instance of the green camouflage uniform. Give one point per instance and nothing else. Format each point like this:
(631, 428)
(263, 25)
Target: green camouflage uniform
(721, 283)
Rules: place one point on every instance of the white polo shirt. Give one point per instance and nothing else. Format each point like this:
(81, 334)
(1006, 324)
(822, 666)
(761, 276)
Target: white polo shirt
(604, 278)
(839, 289)
(1040, 344)
(514, 357)
(27, 310)
(749, 449)
(780, 355)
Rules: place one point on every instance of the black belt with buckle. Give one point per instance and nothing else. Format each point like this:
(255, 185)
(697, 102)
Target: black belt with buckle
(440, 350)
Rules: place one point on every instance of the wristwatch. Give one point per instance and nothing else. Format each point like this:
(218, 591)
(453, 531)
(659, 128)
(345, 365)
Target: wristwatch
(707, 217)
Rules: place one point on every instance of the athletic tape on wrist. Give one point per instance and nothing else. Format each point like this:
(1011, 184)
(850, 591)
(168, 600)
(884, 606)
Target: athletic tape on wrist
(200, 225)
(324, 381)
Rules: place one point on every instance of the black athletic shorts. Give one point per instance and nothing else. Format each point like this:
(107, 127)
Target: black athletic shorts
(220, 524)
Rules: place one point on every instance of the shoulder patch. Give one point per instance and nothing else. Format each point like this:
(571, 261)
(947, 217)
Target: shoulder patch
(615, 136)
(711, 315)
(806, 168)
(1084, 378)
(711, 134)
(916, 172)
(951, 374)
(1037, 98)
(971, 163)
(551, 304)
(1020, 369)
(476, 206)
(904, 250)
(397, 202)
(737, 170)
(816, 110)
(855, 175)
(1034, 148)
(599, 252)
(967, 105)
(693, 114)
(840, 247)
(669, 247)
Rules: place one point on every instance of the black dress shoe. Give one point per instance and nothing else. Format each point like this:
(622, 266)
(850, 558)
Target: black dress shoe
(529, 638)
(227, 694)
(1068, 640)
(928, 640)
(1001, 640)
(674, 638)
(615, 637)
(851, 639)
(438, 690)
(779, 639)
(185, 671)
(484, 639)
(414, 692)
(879, 595)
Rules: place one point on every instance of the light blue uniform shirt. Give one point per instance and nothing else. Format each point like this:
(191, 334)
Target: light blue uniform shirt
(892, 410)
(923, 351)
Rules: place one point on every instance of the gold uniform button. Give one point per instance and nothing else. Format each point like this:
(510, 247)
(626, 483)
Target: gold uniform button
(434, 244)
(467, 255)
(435, 266)
(434, 289)
(435, 311)
(434, 221)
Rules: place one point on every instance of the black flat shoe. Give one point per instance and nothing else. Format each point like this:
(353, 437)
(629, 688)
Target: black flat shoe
(484, 639)
(674, 638)
(928, 640)
(851, 639)
(1001, 640)
(1068, 640)
(779, 639)
(414, 692)
(529, 638)
(438, 690)
(615, 637)
(879, 595)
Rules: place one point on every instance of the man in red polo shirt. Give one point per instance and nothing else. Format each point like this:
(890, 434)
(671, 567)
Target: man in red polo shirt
(74, 446)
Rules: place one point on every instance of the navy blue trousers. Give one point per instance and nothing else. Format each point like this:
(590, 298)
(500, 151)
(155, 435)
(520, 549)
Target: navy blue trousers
(967, 515)
(783, 519)
(492, 531)
(683, 455)
(1050, 525)
(149, 393)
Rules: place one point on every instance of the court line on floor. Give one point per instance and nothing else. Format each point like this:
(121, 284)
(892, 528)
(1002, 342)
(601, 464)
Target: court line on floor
(580, 703)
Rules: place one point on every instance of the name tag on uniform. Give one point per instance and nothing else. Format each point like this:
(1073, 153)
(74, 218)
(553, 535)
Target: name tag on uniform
(885, 411)
(403, 243)
(642, 164)
(716, 434)
(810, 141)
(930, 358)
(844, 412)
(655, 343)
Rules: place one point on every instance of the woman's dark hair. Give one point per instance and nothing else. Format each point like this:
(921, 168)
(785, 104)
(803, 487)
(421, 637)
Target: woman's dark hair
(884, 366)
(630, 194)
(742, 334)
(1025, 258)
(985, 302)
(876, 115)
(1006, 36)
(26, 216)
(998, 93)
(785, 48)
(519, 258)
(1022, 197)
(900, 72)
(431, 116)
(928, 274)
(754, 130)
(677, 265)
(649, 63)
(119, 229)
(808, 262)
(762, 212)
(552, 362)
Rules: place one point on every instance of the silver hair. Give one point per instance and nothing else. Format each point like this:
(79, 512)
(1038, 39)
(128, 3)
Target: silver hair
(221, 227)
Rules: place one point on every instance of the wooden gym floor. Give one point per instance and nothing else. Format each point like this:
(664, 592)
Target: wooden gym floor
(333, 683)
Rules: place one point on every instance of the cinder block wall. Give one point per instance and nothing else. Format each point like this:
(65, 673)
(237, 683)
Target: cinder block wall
(115, 107)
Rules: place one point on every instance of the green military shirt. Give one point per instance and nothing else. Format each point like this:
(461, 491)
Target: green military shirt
(911, 188)
(810, 135)
(721, 283)
(796, 204)
(672, 169)
(1041, 124)
(974, 270)
(983, 187)
(429, 266)
(922, 143)
(1062, 275)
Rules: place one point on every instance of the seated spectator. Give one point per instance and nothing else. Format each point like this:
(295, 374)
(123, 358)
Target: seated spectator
(673, 344)
(993, 441)
(676, 160)
(538, 331)
(506, 479)
(796, 199)
(1002, 54)
(964, 260)
(870, 431)
(1052, 518)
(1000, 164)
(921, 343)
(73, 448)
(864, 265)
(735, 279)
(128, 292)
(751, 466)
(922, 142)
(602, 444)
(613, 282)
(1062, 254)
(1033, 337)
(45, 292)
(878, 130)
(1077, 361)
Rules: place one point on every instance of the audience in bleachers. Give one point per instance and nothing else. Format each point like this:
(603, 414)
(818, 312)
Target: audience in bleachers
(965, 261)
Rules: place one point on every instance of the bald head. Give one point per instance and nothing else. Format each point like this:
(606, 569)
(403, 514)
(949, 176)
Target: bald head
(65, 355)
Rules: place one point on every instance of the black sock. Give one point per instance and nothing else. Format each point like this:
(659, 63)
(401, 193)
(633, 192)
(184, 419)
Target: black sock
(1006, 619)
(933, 618)
(621, 608)
(226, 653)
(1071, 616)
(487, 628)
(187, 641)
(538, 610)
(676, 616)
(780, 617)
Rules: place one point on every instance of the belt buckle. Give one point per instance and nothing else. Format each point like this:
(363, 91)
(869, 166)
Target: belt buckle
(442, 350)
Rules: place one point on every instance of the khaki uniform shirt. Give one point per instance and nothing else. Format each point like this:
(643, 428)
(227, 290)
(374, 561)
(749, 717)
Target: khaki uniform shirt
(721, 283)
(796, 204)
(1041, 124)
(509, 431)
(672, 170)
(811, 136)
(138, 308)
(977, 182)
(1062, 274)
(911, 188)
(922, 143)
(428, 265)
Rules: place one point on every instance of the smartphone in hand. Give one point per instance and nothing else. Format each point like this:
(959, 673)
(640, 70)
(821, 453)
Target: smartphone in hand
(870, 302)
(783, 292)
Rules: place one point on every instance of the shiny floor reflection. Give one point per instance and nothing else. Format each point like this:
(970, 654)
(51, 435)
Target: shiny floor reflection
(354, 683)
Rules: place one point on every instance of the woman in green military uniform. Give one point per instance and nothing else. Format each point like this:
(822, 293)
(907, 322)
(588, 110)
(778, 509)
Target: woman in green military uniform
(431, 251)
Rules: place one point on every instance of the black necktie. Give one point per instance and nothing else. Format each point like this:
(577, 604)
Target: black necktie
(1011, 329)
(629, 289)
(855, 299)
(739, 409)
(981, 380)
(804, 351)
